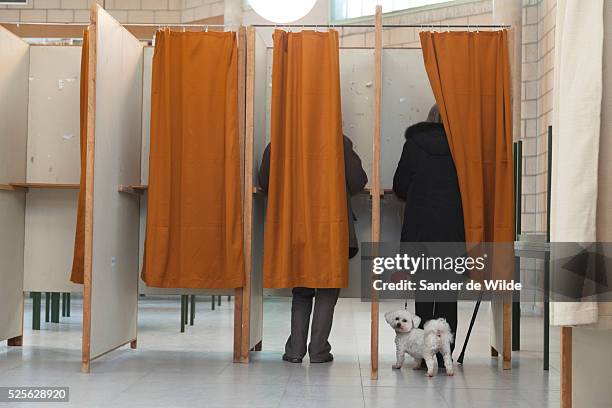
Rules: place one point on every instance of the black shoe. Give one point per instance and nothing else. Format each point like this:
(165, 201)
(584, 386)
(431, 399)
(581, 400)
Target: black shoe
(327, 359)
(295, 360)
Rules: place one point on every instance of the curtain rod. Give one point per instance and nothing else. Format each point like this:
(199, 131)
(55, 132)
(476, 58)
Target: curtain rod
(384, 25)
(122, 24)
(476, 26)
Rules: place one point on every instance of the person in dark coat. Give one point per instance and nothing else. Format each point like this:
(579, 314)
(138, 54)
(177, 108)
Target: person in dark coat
(427, 180)
(324, 299)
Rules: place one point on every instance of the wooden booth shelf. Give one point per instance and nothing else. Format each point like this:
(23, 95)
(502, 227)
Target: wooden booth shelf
(27, 186)
(10, 187)
(139, 189)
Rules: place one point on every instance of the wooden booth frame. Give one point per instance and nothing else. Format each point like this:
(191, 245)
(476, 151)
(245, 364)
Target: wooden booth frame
(243, 321)
(375, 191)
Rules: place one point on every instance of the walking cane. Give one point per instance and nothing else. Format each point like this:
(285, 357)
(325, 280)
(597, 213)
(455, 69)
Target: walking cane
(467, 337)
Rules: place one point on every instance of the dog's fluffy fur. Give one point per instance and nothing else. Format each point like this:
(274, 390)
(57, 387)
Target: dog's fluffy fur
(436, 337)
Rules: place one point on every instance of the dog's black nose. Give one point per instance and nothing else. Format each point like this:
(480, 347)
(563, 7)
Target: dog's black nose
(398, 325)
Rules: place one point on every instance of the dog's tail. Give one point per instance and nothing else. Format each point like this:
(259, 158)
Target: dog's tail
(440, 327)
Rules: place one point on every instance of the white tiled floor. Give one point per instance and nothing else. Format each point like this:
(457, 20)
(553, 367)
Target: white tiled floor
(194, 369)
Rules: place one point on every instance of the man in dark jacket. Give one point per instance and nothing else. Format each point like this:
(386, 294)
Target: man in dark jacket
(324, 299)
(427, 180)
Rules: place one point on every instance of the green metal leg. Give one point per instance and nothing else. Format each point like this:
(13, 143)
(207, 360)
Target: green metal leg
(192, 315)
(229, 298)
(219, 300)
(55, 307)
(68, 304)
(546, 313)
(183, 307)
(36, 297)
(47, 305)
(213, 303)
(186, 311)
(63, 304)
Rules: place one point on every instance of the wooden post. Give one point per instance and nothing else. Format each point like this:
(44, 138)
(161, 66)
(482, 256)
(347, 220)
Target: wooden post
(15, 341)
(248, 62)
(375, 184)
(89, 186)
(566, 367)
(239, 292)
(507, 333)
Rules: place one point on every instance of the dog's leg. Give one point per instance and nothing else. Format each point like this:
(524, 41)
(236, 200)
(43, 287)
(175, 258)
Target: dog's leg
(448, 359)
(400, 359)
(429, 360)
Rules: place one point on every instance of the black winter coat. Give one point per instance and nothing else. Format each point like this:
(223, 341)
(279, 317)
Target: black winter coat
(426, 178)
(356, 179)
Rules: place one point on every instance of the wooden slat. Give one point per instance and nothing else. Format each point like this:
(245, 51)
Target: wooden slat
(566, 367)
(507, 334)
(133, 189)
(76, 31)
(44, 186)
(89, 187)
(9, 187)
(248, 188)
(375, 189)
(239, 293)
(130, 190)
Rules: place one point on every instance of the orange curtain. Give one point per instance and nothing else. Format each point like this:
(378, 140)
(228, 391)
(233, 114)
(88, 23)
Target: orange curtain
(194, 219)
(470, 76)
(306, 232)
(78, 259)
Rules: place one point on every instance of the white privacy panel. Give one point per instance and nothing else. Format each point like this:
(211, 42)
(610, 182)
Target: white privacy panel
(50, 224)
(53, 115)
(406, 100)
(147, 77)
(52, 157)
(260, 140)
(118, 109)
(356, 84)
(14, 59)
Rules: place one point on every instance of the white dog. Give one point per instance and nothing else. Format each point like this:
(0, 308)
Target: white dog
(425, 343)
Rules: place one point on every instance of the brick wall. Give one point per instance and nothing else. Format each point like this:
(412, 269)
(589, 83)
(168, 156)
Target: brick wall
(125, 11)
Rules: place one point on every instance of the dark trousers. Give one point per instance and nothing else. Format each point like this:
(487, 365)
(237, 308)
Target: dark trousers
(323, 316)
(434, 310)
